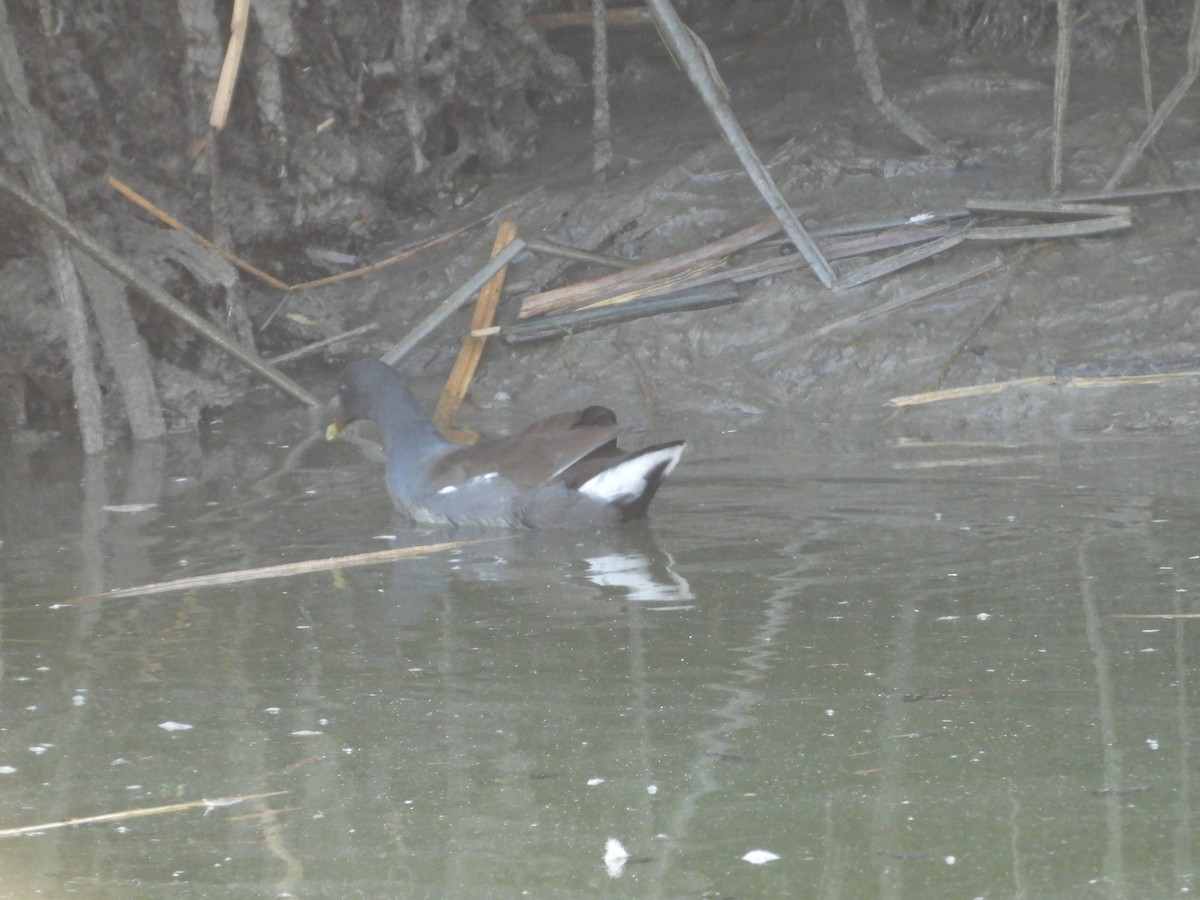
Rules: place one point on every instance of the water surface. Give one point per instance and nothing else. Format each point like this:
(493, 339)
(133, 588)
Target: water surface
(905, 671)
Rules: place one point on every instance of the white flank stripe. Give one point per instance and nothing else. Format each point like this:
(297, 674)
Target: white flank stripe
(478, 479)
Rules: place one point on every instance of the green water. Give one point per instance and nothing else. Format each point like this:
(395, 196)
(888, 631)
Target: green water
(904, 671)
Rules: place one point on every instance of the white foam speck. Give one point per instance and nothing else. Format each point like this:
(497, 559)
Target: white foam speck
(758, 857)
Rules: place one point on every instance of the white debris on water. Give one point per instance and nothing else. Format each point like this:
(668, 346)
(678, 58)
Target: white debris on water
(758, 857)
(615, 857)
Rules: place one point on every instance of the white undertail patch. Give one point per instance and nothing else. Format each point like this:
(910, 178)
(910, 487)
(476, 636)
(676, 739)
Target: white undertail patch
(630, 479)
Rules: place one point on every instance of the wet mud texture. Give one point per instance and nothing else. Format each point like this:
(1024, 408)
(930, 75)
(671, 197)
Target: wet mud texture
(302, 200)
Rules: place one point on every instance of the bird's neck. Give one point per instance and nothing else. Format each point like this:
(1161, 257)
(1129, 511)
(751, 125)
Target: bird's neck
(408, 435)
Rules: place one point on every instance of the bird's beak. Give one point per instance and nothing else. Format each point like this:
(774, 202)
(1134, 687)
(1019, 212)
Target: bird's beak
(336, 427)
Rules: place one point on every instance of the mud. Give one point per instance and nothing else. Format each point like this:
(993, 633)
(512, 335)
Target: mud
(1117, 304)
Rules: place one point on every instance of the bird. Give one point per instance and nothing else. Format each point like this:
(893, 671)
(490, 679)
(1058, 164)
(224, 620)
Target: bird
(564, 470)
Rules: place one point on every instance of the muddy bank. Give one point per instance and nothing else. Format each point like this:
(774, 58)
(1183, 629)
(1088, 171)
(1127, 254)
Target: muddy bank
(1113, 305)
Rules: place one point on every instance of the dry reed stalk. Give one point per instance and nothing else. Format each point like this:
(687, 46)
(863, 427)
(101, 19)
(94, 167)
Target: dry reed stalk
(573, 253)
(693, 55)
(167, 219)
(962, 462)
(833, 247)
(564, 324)
(126, 814)
(283, 570)
(900, 260)
(1167, 107)
(472, 347)
(227, 80)
(250, 269)
(454, 302)
(316, 346)
(996, 387)
(1078, 228)
(660, 286)
(598, 288)
(406, 253)
(1052, 206)
(868, 66)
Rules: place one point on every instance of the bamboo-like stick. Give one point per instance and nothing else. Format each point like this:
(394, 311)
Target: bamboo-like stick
(854, 243)
(231, 64)
(861, 243)
(868, 65)
(663, 276)
(668, 285)
(1076, 228)
(137, 813)
(315, 346)
(563, 324)
(452, 303)
(573, 253)
(1054, 206)
(1140, 193)
(1166, 107)
(472, 347)
(677, 289)
(692, 54)
(596, 288)
(406, 253)
(284, 570)
(900, 260)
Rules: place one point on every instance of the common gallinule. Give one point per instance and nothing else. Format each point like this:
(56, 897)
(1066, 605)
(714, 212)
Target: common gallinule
(563, 470)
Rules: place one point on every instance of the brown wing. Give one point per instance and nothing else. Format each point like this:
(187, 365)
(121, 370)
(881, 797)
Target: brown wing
(588, 417)
(537, 455)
